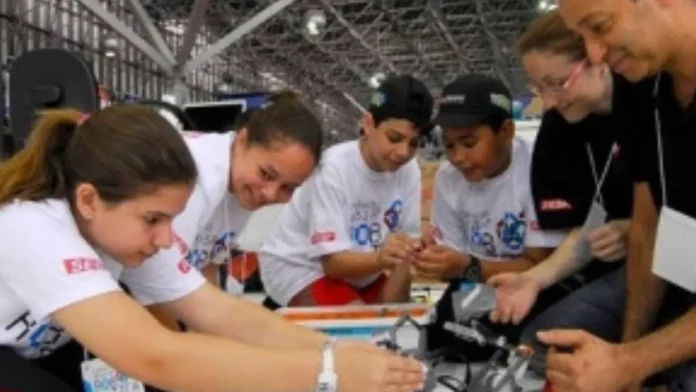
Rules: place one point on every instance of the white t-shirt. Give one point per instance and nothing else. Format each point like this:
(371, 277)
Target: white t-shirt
(494, 219)
(217, 237)
(344, 206)
(46, 265)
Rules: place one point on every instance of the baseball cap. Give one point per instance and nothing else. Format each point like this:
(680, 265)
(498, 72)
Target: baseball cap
(472, 100)
(403, 97)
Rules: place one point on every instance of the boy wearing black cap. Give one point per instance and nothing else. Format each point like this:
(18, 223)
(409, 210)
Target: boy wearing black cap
(350, 232)
(483, 218)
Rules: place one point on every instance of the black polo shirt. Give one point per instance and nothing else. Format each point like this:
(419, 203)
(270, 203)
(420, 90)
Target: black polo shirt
(678, 131)
(563, 182)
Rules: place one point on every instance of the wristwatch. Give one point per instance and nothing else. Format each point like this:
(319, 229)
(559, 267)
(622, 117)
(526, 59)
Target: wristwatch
(473, 272)
(327, 377)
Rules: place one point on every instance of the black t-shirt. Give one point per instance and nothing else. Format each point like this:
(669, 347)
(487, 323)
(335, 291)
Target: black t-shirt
(678, 131)
(563, 180)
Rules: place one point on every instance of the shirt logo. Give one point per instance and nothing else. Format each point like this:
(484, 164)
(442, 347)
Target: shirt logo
(184, 266)
(555, 205)
(82, 264)
(323, 236)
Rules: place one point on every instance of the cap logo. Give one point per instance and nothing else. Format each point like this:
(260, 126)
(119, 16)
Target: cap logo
(502, 102)
(453, 100)
(378, 99)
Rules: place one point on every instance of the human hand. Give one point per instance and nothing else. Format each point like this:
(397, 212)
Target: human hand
(364, 370)
(440, 262)
(429, 236)
(398, 249)
(591, 364)
(515, 294)
(609, 242)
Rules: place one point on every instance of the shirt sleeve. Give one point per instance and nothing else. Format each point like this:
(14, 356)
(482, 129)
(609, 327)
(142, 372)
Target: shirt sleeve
(329, 231)
(561, 197)
(536, 237)
(169, 274)
(412, 202)
(47, 263)
(447, 228)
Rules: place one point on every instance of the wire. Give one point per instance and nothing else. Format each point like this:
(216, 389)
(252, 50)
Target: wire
(452, 382)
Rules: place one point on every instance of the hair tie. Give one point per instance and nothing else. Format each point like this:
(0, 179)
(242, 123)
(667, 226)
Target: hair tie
(83, 117)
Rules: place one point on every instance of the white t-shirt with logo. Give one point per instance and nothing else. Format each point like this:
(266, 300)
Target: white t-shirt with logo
(46, 265)
(494, 219)
(344, 206)
(217, 237)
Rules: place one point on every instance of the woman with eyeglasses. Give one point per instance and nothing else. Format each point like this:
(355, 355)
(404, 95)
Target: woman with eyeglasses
(579, 181)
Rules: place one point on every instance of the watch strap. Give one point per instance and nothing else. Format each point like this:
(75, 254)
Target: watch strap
(473, 272)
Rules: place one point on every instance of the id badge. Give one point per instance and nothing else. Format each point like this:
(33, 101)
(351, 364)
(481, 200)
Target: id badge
(675, 249)
(596, 217)
(97, 376)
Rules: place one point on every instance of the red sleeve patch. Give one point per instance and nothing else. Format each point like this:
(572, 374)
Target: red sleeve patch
(555, 205)
(184, 266)
(82, 264)
(323, 236)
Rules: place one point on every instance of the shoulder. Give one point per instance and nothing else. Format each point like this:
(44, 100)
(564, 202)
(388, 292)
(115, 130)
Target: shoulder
(38, 217)
(40, 229)
(553, 129)
(338, 153)
(336, 161)
(447, 175)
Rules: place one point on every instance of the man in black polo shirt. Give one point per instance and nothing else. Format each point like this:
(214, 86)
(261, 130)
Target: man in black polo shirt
(639, 38)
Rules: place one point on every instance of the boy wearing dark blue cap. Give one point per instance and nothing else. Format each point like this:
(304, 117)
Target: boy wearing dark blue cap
(483, 218)
(349, 234)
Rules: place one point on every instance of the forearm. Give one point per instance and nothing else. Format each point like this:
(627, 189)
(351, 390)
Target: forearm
(397, 289)
(349, 265)
(210, 272)
(644, 291)
(663, 349)
(189, 361)
(261, 326)
(490, 268)
(561, 264)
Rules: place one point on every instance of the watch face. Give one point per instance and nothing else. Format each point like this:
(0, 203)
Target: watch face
(324, 387)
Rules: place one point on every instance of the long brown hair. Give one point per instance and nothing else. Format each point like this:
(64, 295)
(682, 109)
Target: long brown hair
(122, 150)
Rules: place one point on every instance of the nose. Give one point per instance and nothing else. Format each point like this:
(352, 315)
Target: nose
(403, 151)
(164, 236)
(270, 192)
(550, 100)
(596, 51)
(458, 157)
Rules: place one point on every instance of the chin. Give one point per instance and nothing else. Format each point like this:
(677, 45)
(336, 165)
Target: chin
(573, 116)
(636, 71)
(473, 176)
(248, 203)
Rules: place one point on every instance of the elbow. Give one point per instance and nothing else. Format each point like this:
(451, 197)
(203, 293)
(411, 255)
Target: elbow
(149, 363)
(330, 267)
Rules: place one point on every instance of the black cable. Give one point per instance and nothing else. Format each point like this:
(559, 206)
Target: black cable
(452, 382)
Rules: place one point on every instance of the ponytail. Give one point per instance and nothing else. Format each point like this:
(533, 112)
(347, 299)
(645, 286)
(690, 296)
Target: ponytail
(36, 172)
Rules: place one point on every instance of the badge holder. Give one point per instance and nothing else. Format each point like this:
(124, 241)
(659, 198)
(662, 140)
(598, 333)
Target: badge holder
(98, 376)
(597, 215)
(673, 256)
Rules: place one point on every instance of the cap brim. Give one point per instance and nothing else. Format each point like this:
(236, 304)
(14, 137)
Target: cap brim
(459, 120)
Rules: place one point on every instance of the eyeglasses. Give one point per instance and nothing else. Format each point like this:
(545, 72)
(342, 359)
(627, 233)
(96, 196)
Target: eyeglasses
(560, 86)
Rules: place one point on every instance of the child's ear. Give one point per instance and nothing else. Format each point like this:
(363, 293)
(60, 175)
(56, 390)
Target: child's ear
(507, 130)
